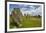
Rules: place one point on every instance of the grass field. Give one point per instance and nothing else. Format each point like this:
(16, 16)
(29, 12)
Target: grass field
(28, 22)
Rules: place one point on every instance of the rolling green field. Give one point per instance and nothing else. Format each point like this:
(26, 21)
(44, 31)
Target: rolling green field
(31, 22)
(28, 22)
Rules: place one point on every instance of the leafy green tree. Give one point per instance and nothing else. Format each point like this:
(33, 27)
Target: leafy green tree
(39, 16)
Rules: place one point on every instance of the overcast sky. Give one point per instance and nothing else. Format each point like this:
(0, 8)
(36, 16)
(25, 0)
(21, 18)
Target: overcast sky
(30, 9)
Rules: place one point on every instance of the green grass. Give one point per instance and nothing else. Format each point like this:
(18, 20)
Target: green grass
(31, 22)
(28, 22)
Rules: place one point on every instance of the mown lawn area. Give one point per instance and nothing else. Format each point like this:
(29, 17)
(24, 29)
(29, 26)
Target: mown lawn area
(29, 22)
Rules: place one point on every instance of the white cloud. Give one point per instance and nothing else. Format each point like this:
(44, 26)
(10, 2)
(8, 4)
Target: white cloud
(38, 11)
